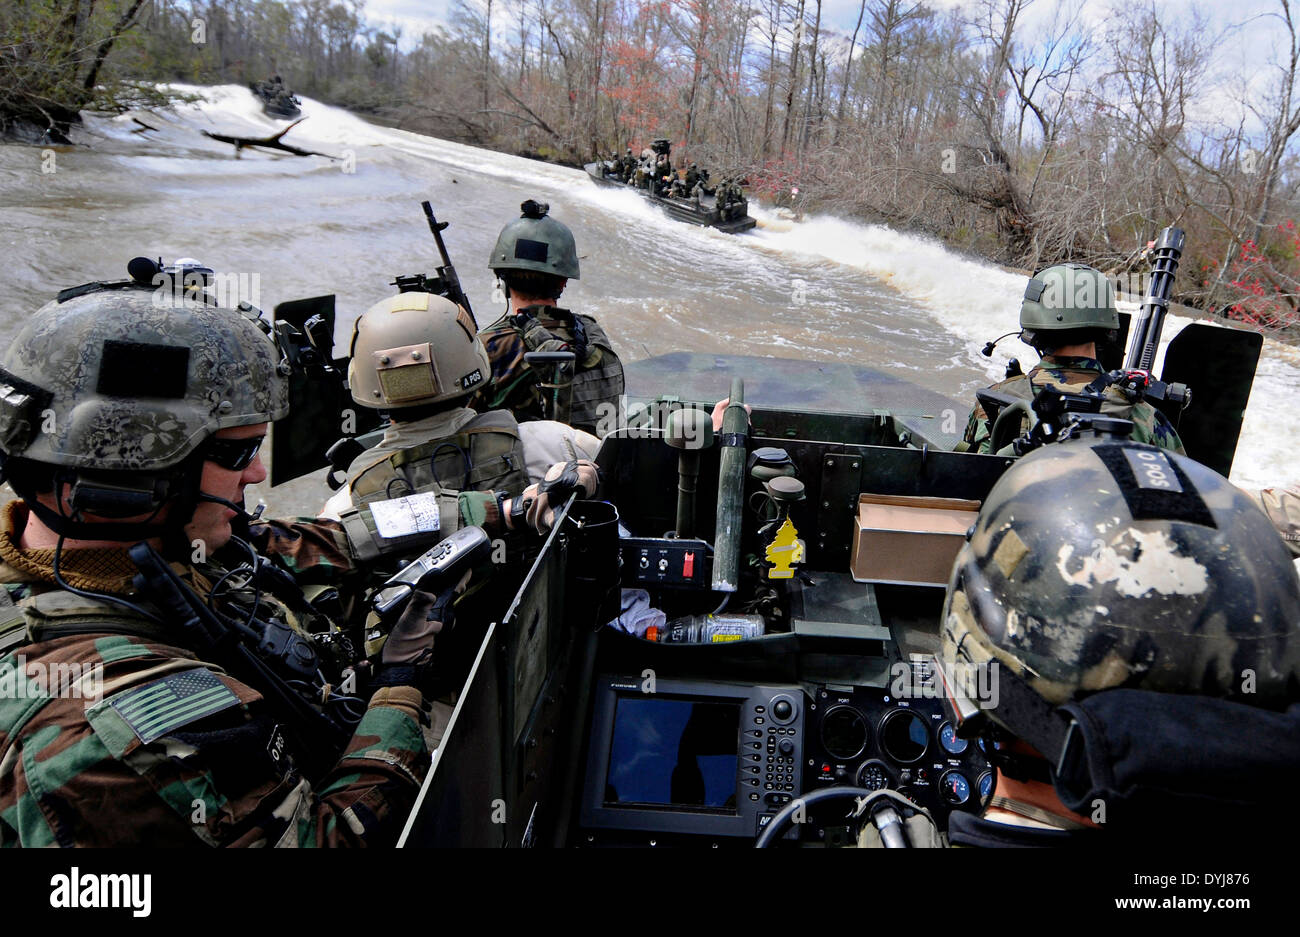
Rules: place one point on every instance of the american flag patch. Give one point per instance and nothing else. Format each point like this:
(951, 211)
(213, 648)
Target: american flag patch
(165, 705)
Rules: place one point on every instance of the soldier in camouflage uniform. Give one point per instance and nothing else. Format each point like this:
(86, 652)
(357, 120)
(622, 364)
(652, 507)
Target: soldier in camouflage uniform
(125, 421)
(535, 256)
(1067, 310)
(1140, 596)
(1282, 505)
(416, 357)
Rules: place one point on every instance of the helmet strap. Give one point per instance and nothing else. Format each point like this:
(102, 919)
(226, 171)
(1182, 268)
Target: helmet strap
(179, 488)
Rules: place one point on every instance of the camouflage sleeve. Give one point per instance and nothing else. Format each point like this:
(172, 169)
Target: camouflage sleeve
(514, 384)
(977, 431)
(366, 798)
(1152, 427)
(1282, 505)
(315, 550)
(176, 753)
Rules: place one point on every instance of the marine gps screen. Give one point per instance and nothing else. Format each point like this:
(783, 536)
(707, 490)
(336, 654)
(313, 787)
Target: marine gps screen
(673, 753)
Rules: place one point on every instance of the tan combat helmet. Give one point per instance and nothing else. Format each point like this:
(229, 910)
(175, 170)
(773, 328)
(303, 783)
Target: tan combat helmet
(414, 349)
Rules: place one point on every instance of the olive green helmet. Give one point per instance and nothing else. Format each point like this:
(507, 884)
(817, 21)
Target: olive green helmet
(1102, 563)
(413, 349)
(1068, 296)
(536, 242)
(133, 380)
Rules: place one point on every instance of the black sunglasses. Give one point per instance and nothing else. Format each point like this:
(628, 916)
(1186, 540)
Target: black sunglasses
(233, 455)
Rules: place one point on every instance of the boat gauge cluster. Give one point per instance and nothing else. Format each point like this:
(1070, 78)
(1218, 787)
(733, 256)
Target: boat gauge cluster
(864, 737)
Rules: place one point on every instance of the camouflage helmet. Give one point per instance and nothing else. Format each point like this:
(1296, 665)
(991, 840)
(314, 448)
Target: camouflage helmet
(1068, 296)
(113, 380)
(1100, 563)
(536, 242)
(413, 349)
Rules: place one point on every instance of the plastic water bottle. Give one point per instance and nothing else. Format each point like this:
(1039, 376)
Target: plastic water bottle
(707, 629)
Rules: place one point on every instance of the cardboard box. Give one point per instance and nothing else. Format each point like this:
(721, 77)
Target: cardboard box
(909, 540)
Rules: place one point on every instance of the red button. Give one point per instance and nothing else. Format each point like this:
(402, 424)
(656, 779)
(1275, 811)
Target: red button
(688, 566)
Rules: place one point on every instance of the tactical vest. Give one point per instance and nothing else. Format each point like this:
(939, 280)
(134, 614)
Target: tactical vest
(599, 372)
(1113, 402)
(484, 455)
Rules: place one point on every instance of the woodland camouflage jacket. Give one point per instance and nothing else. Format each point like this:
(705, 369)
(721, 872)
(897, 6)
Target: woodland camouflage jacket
(117, 736)
(1073, 375)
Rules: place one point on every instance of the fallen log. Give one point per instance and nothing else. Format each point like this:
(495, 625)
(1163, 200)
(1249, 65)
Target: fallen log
(272, 142)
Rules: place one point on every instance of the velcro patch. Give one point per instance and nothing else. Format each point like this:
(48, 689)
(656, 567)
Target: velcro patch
(138, 369)
(527, 249)
(165, 705)
(1153, 486)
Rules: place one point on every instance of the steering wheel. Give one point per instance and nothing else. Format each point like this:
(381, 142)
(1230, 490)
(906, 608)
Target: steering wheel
(785, 818)
(866, 802)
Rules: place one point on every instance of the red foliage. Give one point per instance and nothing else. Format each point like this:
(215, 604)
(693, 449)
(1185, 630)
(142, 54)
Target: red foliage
(1260, 301)
(776, 177)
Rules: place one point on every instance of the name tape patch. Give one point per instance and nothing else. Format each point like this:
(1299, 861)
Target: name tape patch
(1152, 470)
(1153, 486)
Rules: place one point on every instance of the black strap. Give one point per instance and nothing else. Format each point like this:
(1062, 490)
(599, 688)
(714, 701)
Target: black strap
(1033, 719)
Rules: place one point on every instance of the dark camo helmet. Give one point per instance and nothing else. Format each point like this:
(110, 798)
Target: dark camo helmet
(1068, 296)
(1102, 563)
(116, 380)
(537, 242)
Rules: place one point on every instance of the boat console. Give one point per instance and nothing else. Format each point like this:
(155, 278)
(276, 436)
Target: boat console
(584, 732)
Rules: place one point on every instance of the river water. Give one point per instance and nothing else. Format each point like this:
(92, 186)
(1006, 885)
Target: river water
(289, 227)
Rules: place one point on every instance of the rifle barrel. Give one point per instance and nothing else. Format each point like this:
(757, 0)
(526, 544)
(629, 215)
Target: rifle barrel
(1165, 255)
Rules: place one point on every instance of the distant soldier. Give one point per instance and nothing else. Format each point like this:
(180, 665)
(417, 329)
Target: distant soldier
(692, 177)
(535, 256)
(663, 171)
(1067, 310)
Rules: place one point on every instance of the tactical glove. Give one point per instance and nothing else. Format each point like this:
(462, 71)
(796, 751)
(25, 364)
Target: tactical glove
(561, 480)
(407, 657)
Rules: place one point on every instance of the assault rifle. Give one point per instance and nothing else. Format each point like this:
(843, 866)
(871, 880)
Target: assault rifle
(267, 655)
(445, 283)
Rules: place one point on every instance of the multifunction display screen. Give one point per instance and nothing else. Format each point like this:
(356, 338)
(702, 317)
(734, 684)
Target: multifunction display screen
(673, 753)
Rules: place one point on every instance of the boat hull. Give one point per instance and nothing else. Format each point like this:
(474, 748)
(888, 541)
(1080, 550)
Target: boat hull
(705, 213)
